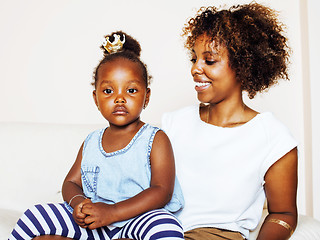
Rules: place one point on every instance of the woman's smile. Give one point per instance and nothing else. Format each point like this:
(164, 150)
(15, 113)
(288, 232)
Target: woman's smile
(201, 86)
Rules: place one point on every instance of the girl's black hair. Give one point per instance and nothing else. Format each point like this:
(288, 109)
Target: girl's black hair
(130, 50)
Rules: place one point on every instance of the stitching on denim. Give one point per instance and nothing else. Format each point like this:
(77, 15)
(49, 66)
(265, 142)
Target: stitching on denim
(155, 130)
(94, 170)
(126, 148)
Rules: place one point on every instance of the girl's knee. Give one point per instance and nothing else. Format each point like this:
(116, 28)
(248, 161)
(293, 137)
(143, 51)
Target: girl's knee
(164, 225)
(155, 224)
(51, 237)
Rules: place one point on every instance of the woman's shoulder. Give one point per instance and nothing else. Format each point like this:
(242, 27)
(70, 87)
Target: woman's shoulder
(180, 119)
(183, 112)
(179, 116)
(274, 127)
(269, 120)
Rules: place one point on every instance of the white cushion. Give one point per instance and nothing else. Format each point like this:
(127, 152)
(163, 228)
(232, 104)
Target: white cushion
(308, 228)
(8, 219)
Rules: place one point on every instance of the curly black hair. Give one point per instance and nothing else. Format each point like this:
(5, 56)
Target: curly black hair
(130, 50)
(254, 37)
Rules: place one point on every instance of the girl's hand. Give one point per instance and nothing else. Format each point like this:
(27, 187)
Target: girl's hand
(98, 214)
(78, 215)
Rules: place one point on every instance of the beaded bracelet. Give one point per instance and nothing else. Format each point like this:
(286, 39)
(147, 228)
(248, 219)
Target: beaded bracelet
(283, 224)
(78, 195)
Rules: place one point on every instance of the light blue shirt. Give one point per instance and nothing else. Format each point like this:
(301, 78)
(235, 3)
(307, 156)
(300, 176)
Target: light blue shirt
(120, 175)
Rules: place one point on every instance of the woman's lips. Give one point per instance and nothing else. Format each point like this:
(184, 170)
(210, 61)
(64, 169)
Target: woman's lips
(201, 86)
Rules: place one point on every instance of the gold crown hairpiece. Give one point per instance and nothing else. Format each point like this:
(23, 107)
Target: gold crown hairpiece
(115, 45)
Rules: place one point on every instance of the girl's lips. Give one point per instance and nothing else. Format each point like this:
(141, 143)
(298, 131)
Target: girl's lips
(120, 110)
(201, 86)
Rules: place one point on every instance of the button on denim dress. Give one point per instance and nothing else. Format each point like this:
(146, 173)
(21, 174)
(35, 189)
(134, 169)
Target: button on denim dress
(120, 175)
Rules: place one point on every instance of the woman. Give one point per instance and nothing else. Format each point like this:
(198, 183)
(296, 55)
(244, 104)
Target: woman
(229, 157)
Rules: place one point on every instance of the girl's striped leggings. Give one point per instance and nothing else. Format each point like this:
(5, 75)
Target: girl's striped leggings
(56, 219)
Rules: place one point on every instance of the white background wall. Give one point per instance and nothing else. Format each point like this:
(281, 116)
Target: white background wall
(49, 49)
(314, 39)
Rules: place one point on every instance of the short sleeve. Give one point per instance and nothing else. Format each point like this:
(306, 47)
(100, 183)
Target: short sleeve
(279, 142)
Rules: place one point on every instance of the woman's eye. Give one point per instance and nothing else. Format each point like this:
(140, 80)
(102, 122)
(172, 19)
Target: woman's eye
(193, 60)
(108, 91)
(132, 90)
(210, 62)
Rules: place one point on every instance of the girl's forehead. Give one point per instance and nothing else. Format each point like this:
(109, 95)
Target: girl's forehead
(120, 70)
(121, 62)
(124, 65)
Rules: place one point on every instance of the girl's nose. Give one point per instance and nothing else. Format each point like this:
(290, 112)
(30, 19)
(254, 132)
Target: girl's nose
(120, 99)
(196, 68)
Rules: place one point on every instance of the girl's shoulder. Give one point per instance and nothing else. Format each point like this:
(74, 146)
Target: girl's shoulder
(95, 133)
(94, 136)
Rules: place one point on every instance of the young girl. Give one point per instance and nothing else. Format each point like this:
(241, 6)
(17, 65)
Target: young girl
(122, 182)
(232, 157)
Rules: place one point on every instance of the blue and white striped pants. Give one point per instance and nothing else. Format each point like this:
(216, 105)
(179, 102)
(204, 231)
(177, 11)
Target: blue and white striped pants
(55, 219)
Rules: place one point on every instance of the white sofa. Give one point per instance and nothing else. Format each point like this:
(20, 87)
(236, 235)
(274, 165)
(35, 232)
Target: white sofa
(36, 157)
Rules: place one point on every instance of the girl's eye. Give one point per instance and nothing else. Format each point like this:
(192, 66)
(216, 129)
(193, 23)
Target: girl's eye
(108, 91)
(193, 60)
(132, 90)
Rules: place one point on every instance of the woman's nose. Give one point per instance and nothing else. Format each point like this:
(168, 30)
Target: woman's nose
(196, 68)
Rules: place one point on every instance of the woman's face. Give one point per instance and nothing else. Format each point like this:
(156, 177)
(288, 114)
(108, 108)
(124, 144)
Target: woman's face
(214, 79)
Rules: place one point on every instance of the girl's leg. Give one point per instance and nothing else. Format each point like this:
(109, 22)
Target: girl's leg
(51, 237)
(156, 224)
(46, 219)
(54, 219)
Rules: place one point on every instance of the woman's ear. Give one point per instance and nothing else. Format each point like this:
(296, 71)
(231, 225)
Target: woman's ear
(146, 101)
(94, 94)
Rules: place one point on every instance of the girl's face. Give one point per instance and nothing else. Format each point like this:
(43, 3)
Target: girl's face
(121, 92)
(214, 79)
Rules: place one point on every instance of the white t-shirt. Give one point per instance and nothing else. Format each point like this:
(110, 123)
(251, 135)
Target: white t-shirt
(221, 170)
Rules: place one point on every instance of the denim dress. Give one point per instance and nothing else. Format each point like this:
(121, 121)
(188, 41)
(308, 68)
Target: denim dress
(120, 175)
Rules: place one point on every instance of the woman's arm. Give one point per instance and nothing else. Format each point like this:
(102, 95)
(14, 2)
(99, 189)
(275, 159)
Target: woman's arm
(156, 196)
(281, 189)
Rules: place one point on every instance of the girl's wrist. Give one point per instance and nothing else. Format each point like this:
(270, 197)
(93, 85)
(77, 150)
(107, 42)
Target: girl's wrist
(76, 196)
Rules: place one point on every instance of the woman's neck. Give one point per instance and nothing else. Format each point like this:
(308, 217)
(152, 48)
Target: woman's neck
(228, 114)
